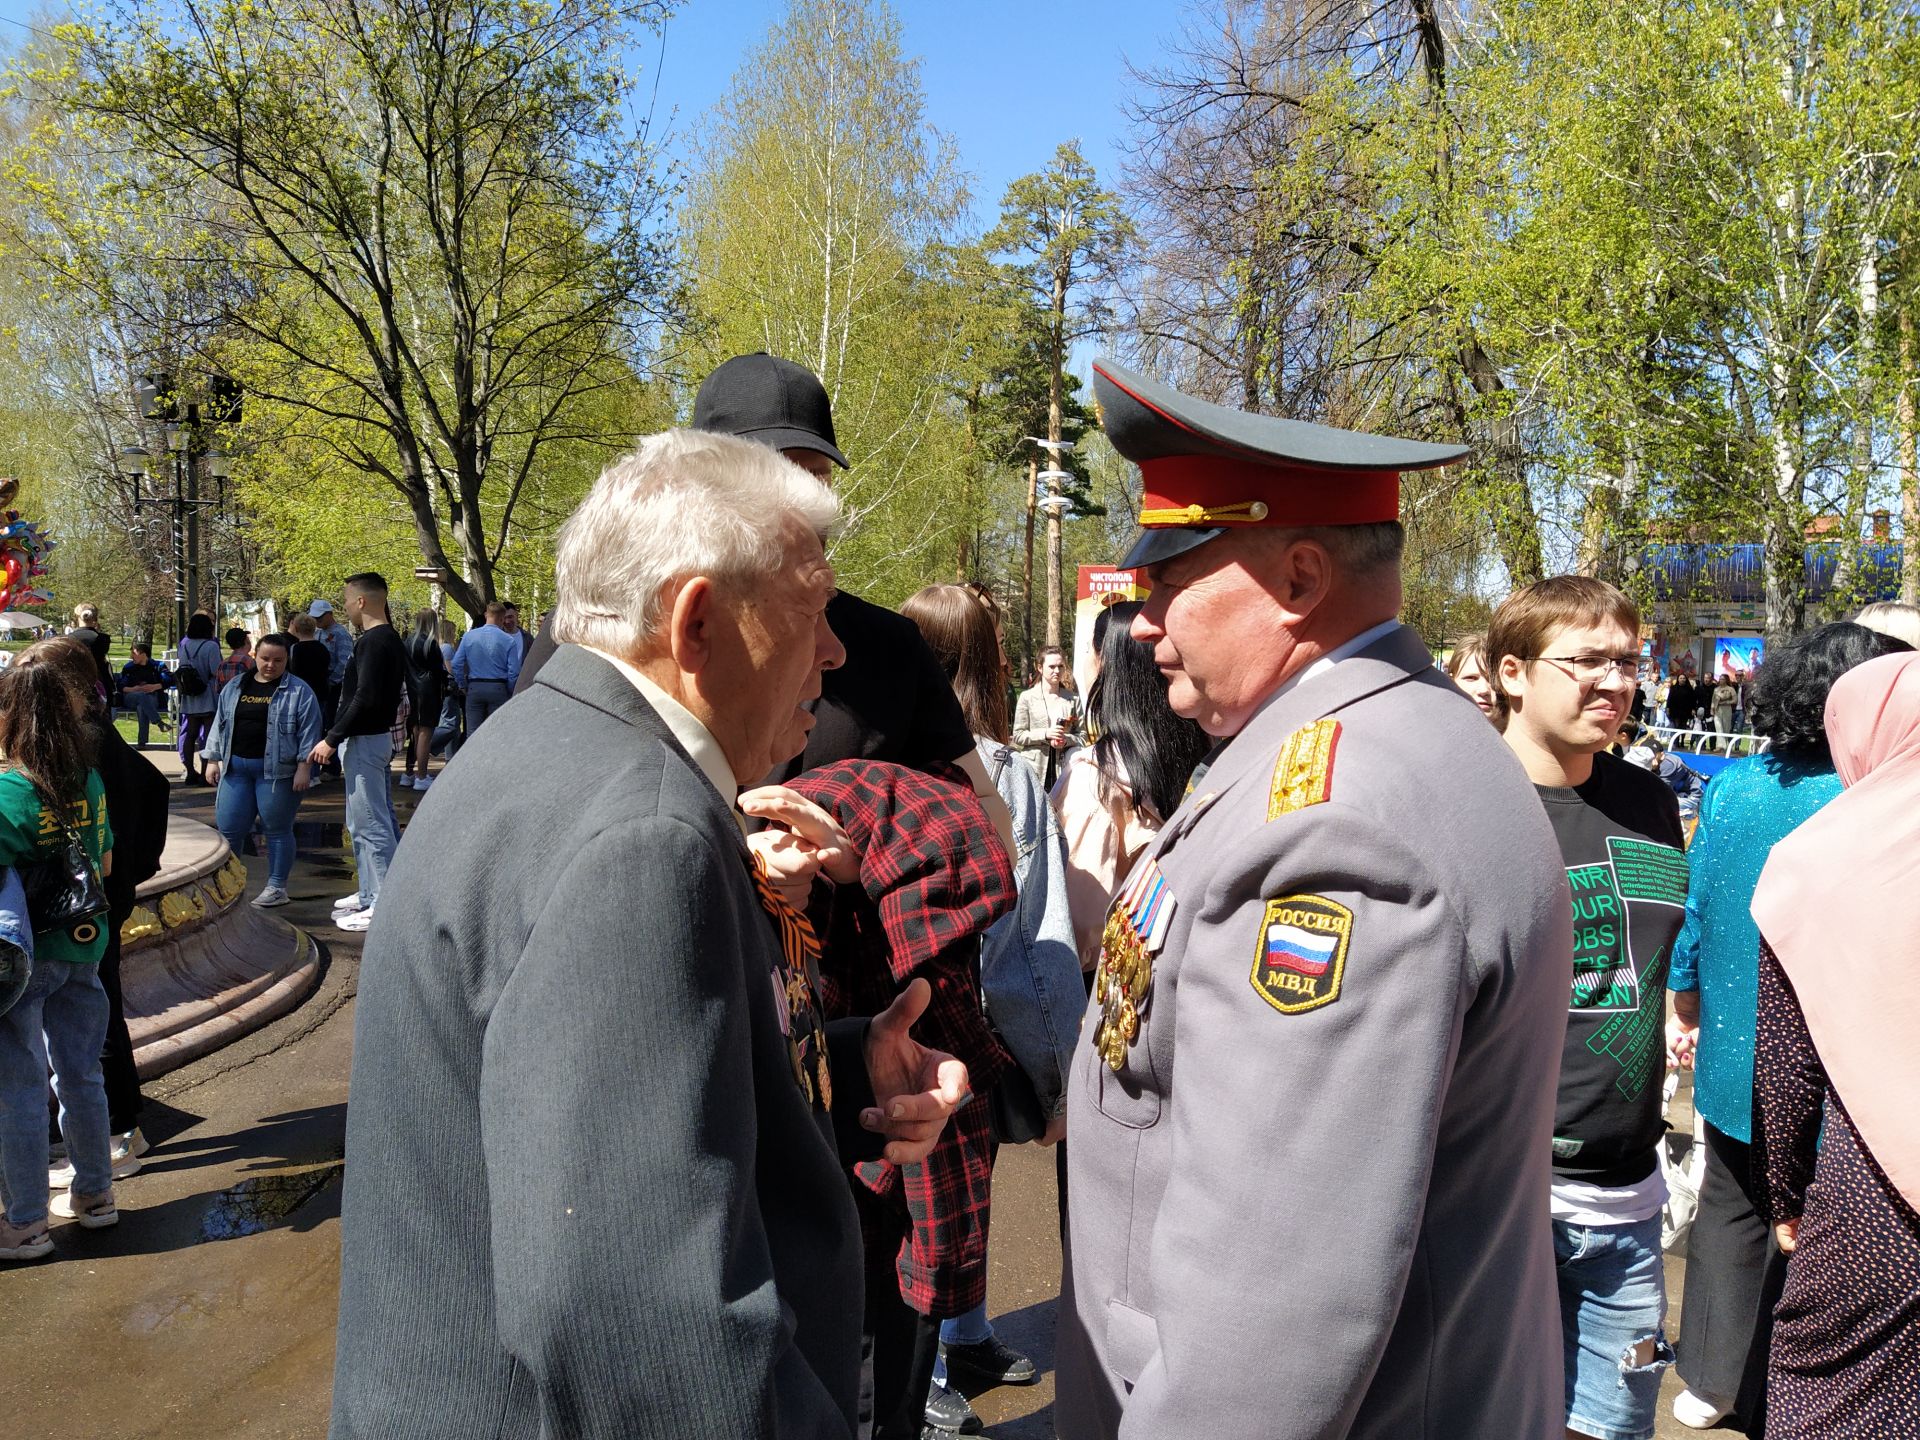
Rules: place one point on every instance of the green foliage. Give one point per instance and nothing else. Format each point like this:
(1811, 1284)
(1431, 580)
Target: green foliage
(422, 242)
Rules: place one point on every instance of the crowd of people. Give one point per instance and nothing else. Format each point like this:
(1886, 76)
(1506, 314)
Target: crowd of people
(1344, 986)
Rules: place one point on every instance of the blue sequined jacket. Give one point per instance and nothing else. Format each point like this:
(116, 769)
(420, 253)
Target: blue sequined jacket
(1749, 808)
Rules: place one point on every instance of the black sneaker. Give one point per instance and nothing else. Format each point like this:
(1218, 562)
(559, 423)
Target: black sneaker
(948, 1414)
(989, 1362)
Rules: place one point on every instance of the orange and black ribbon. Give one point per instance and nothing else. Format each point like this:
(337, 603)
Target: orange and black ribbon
(796, 994)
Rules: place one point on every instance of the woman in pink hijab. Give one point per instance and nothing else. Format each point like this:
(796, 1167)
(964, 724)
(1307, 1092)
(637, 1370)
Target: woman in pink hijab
(1837, 1076)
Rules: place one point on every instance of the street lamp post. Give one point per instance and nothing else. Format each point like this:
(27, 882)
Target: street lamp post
(186, 450)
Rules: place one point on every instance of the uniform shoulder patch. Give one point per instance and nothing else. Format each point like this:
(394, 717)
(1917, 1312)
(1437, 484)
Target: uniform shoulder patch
(1303, 775)
(1301, 955)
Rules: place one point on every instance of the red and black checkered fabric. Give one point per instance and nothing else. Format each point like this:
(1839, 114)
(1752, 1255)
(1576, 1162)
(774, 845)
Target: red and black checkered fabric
(933, 876)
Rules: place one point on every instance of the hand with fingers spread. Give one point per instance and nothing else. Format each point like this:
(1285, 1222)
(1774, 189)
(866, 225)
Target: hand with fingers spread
(809, 842)
(915, 1089)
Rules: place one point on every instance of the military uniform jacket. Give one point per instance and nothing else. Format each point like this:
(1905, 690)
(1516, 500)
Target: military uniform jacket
(1312, 1198)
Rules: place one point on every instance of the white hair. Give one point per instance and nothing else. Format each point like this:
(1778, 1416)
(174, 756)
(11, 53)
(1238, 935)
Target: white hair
(683, 503)
(1890, 617)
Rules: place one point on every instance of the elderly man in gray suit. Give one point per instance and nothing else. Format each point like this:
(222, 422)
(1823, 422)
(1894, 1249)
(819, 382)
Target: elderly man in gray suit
(596, 1147)
(1310, 1130)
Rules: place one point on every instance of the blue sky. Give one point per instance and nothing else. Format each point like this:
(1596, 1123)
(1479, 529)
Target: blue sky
(1008, 79)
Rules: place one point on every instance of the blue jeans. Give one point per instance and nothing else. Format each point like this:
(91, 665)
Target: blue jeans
(969, 1328)
(370, 819)
(245, 791)
(446, 734)
(62, 1016)
(1613, 1299)
(146, 709)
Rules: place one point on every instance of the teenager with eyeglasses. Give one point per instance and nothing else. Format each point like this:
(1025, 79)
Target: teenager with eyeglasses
(1565, 658)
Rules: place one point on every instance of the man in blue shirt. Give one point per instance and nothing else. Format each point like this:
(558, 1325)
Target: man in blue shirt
(339, 642)
(486, 665)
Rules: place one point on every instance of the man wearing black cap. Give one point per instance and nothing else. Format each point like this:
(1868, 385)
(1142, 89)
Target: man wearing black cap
(890, 700)
(1324, 1219)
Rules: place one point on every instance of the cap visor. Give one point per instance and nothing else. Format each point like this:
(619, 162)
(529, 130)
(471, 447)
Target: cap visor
(786, 437)
(1153, 546)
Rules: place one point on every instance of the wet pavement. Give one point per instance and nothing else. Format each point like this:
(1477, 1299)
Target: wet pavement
(209, 1310)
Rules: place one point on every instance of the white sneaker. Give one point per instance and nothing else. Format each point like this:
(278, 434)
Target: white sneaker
(1699, 1412)
(423, 782)
(358, 921)
(94, 1212)
(347, 904)
(271, 896)
(123, 1154)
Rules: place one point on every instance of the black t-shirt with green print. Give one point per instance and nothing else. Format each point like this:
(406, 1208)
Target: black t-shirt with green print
(1624, 848)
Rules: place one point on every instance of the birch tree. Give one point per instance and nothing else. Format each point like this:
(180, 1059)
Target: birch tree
(818, 195)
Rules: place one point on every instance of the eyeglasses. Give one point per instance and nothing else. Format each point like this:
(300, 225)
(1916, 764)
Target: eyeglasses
(1591, 669)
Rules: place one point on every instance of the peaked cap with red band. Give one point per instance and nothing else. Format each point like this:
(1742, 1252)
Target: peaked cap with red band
(1205, 469)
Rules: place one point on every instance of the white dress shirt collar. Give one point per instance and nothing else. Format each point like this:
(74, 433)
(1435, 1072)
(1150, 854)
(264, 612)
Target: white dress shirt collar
(694, 737)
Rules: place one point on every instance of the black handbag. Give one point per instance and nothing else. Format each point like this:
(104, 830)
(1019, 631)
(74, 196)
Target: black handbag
(187, 675)
(1013, 1107)
(64, 892)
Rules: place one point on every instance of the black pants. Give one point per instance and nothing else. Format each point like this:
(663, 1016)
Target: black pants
(905, 1342)
(1734, 1278)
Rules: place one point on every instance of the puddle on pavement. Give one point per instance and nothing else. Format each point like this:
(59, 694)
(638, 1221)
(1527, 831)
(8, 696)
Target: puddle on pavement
(263, 1201)
(318, 836)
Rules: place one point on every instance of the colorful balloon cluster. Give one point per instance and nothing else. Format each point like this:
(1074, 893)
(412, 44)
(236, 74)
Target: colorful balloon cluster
(23, 555)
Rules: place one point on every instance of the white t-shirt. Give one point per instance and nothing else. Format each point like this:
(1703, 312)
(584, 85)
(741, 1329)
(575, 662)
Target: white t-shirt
(1575, 1202)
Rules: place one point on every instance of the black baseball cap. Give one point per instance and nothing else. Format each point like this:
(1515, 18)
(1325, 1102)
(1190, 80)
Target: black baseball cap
(776, 402)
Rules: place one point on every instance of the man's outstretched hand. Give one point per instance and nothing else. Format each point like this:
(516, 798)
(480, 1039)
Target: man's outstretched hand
(915, 1089)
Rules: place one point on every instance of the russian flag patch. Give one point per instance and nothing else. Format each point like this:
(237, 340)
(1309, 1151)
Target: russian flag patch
(1302, 955)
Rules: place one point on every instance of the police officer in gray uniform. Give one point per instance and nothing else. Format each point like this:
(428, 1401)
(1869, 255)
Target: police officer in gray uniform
(1311, 1124)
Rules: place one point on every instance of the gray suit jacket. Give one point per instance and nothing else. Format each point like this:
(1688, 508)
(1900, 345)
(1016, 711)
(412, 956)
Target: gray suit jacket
(585, 1195)
(1313, 1202)
(1034, 710)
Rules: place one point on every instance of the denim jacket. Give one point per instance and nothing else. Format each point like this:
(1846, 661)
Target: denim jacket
(1029, 967)
(293, 725)
(16, 939)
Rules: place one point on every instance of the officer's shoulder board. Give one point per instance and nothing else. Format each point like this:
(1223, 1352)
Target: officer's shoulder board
(1303, 775)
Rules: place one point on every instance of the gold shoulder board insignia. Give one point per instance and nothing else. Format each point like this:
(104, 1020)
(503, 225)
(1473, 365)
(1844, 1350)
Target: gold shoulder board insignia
(1303, 775)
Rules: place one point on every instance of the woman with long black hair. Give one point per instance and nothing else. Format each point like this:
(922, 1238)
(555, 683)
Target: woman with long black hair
(1115, 794)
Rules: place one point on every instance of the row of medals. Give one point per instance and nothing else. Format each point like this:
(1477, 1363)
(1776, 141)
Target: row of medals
(1120, 987)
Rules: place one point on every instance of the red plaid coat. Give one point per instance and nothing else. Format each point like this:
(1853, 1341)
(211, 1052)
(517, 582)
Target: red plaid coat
(933, 876)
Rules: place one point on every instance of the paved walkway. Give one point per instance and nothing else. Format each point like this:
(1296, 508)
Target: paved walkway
(209, 1311)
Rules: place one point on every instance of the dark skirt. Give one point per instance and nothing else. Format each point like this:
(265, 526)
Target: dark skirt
(423, 701)
(1845, 1361)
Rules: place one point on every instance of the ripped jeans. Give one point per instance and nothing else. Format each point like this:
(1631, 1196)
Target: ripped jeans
(1613, 1310)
